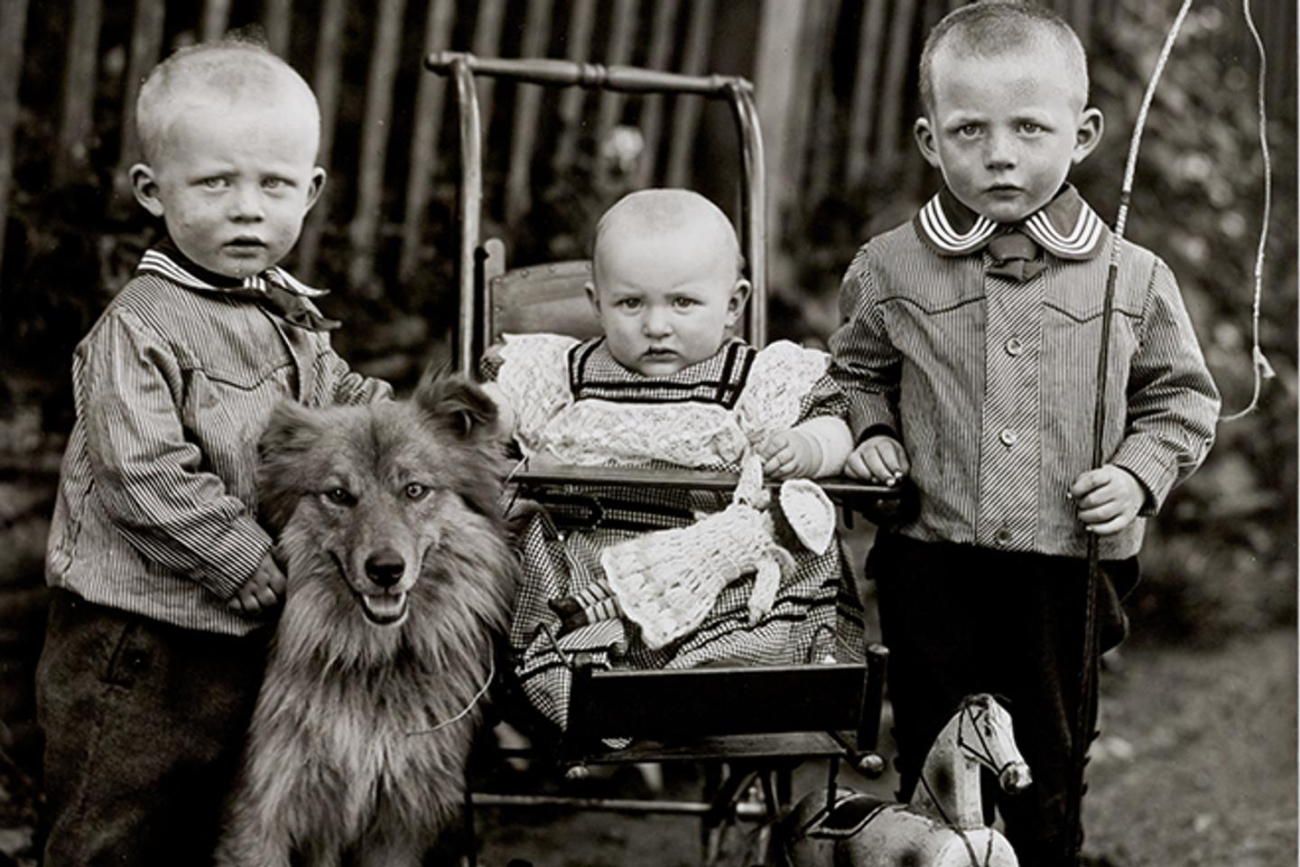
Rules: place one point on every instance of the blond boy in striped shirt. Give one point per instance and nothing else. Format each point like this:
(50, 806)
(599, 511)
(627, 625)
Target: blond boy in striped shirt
(162, 577)
(969, 353)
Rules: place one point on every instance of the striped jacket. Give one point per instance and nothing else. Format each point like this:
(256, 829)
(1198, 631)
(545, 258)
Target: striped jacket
(157, 496)
(990, 383)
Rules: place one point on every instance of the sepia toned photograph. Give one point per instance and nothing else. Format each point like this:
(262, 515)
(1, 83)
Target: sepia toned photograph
(586, 433)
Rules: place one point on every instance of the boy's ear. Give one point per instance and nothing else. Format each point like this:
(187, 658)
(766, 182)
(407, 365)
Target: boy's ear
(925, 141)
(315, 186)
(1091, 125)
(592, 295)
(145, 187)
(739, 295)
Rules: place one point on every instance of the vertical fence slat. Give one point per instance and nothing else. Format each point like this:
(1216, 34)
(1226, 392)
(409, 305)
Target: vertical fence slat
(146, 46)
(528, 104)
(277, 16)
(811, 56)
(364, 227)
(862, 117)
(774, 90)
(487, 43)
(215, 20)
(76, 115)
(14, 14)
(325, 81)
(429, 99)
(826, 160)
(622, 39)
(897, 62)
(1081, 20)
(582, 18)
(652, 112)
(686, 111)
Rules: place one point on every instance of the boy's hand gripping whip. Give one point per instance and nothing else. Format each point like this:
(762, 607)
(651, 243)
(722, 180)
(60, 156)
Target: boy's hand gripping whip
(1262, 370)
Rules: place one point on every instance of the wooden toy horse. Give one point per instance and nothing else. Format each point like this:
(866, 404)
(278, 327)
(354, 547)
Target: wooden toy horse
(942, 826)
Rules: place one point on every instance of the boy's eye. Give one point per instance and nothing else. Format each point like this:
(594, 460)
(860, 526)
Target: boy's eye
(417, 491)
(970, 130)
(214, 183)
(1030, 128)
(684, 303)
(274, 183)
(629, 303)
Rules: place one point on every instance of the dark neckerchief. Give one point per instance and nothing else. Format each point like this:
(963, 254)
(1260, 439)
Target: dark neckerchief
(1065, 227)
(275, 288)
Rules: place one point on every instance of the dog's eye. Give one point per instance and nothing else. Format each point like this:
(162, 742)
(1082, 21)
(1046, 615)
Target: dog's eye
(417, 491)
(340, 496)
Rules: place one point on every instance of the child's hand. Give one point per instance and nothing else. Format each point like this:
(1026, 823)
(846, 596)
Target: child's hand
(881, 459)
(789, 454)
(1109, 499)
(263, 591)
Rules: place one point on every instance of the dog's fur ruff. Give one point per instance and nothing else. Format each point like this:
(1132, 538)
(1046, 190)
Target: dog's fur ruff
(356, 752)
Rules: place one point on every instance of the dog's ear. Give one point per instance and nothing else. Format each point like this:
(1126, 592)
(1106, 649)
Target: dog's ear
(458, 405)
(291, 431)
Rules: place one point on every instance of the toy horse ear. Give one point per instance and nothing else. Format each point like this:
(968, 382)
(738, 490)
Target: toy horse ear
(809, 512)
(457, 404)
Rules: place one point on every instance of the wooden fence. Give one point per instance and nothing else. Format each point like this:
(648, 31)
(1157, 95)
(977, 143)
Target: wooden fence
(834, 80)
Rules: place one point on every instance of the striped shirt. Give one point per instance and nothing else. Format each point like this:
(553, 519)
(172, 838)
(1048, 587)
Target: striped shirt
(990, 384)
(157, 495)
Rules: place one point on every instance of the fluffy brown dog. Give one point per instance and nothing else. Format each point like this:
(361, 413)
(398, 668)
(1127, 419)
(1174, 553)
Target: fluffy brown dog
(400, 575)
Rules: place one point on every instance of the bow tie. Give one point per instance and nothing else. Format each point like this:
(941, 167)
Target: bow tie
(274, 288)
(1016, 256)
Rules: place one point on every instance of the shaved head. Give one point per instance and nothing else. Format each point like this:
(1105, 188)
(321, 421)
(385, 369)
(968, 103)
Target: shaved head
(665, 211)
(213, 76)
(993, 28)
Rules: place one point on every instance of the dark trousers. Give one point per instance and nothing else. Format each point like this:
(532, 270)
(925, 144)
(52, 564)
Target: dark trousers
(958, 620)
(144, 724)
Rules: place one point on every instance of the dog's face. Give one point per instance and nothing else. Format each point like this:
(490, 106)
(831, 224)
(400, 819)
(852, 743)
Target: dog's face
(376, 489)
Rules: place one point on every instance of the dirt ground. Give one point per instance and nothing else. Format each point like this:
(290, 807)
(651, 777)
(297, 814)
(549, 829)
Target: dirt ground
(1196, 766)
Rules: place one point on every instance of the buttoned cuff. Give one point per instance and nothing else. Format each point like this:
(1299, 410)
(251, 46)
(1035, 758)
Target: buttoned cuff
(868, 412)
(234, 557)
(1152, 467)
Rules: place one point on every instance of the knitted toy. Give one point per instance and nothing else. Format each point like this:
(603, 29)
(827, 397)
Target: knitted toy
(667, 581)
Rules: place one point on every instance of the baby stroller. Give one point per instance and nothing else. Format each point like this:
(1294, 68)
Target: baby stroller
(725, 716)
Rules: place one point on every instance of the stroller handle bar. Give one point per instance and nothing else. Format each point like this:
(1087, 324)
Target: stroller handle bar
(462, 67)
(550, 71)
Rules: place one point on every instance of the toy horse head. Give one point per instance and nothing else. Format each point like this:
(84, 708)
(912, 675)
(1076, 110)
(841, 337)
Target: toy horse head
(984, 736)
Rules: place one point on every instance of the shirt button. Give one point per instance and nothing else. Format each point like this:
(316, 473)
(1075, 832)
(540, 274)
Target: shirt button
(1014, 346)
(1008, 437)
(1003, 536)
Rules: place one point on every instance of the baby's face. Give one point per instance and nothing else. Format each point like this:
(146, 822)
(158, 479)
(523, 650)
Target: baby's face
(666, 299)
(1005, 130)
(234, 182)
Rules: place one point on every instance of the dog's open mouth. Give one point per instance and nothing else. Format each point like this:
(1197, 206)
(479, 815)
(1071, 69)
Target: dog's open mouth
(384, 610)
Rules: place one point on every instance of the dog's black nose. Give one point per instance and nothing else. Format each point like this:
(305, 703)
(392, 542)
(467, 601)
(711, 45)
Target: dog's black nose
(385, 567)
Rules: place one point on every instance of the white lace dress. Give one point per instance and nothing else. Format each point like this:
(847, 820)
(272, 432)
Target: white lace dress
(575, 404)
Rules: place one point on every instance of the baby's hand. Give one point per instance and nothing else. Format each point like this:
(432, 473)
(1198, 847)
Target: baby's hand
(1109, 499)
(788, 454)
(263, 591)
(881, 459)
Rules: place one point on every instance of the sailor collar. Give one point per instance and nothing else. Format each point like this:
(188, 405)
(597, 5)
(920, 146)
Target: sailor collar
(1066, 227)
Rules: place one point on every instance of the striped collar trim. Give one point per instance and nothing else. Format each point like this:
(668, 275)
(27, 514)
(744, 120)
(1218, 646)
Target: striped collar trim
(1066, 226)
(157, 262)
